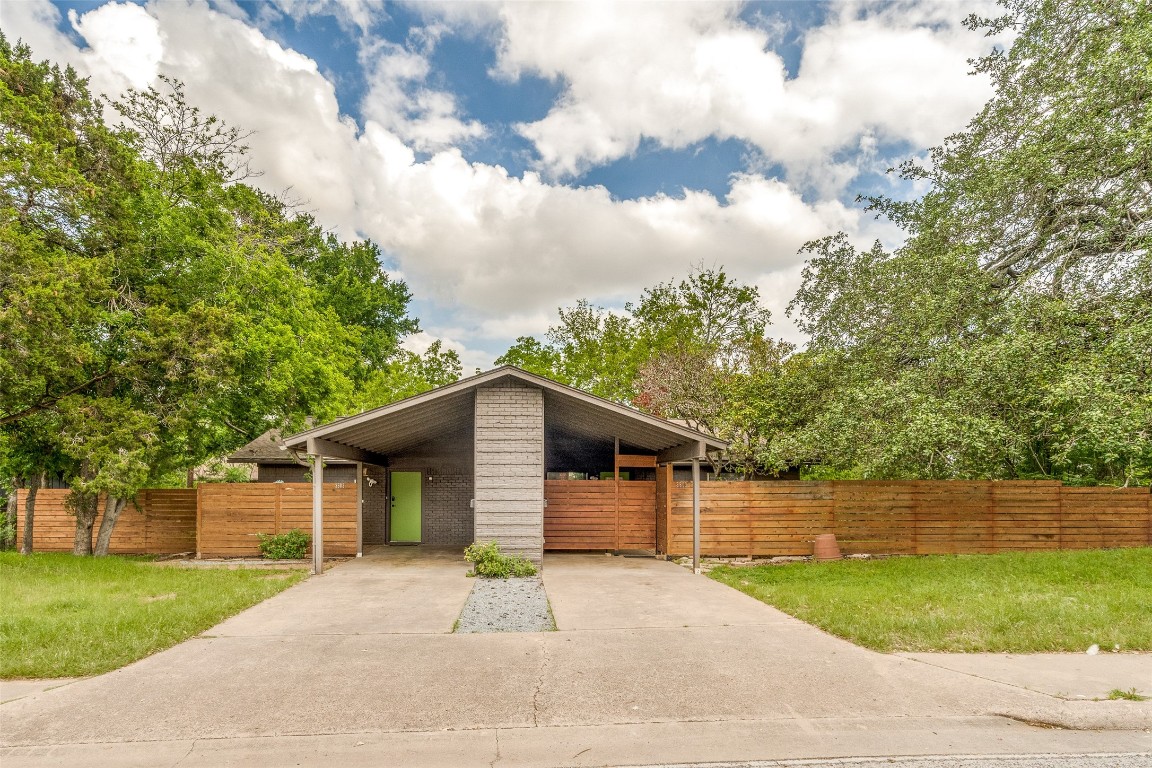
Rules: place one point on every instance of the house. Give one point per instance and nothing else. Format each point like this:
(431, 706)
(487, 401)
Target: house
(471, 461)
(274, 463)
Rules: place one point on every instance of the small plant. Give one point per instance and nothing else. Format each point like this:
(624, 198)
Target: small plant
(284, 546)
(1128, 695)
(490, 563)
(219, 472)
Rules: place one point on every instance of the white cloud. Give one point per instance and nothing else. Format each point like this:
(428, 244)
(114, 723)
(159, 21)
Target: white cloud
(358, 14)
(35, 22)
(678, 73)
(230, 8)
(496, 254)
(470, 359)
(400, 101)
(515, 324)
(131, 42)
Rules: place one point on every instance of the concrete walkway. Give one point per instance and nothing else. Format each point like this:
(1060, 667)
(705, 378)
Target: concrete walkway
(1072, 676)
(650, 664)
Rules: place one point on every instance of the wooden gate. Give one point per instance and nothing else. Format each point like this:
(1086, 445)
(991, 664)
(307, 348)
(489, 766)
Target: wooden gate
(600, 515)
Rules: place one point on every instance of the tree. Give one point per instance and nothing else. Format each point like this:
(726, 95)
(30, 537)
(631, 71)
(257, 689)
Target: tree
(694, 349)
(1009, 335)
(154, 308)
(1050, 182)
(410, 374)
(180, 142)
(591, 348)
(62, 194)
(712, 355)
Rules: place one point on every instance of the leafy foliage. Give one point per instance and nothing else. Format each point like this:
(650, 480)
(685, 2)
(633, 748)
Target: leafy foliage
(218, 471)
(157, 311)
(1010, 336)
(490, 563)
(292, 545)
(407, 374)
(694, 350)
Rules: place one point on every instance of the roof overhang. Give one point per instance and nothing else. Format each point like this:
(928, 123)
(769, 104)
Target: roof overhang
(375, 434)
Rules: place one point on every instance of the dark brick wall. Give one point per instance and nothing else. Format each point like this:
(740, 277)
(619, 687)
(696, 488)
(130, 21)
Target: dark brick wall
(447, 516)
(294, 473)
(376, 506)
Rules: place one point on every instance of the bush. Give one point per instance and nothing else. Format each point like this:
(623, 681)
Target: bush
(219, 472)
(488, 562)
(285, 546)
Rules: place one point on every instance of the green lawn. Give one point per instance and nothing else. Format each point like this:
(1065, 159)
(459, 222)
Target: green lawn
(1009, 603)
(65, 616)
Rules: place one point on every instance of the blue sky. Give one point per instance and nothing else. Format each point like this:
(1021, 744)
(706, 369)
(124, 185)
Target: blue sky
(513, 158)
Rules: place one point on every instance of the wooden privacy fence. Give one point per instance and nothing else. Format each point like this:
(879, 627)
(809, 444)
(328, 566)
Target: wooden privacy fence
(582, 514)
(737, 518)
(912, 517)
(231, 514)
(161, 522)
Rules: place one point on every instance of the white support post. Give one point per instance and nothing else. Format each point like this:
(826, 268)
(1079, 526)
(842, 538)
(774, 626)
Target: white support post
(695, 515)
(359, 509)
(317, 513)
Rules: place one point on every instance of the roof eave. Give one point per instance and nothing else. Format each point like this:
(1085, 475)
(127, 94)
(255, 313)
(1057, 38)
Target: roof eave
(300, 440)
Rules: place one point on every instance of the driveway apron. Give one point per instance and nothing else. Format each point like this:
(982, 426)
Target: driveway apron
(367, 648)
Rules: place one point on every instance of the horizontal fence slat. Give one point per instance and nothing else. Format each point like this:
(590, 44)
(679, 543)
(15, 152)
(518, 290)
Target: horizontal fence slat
(737, 518)
(906, 517)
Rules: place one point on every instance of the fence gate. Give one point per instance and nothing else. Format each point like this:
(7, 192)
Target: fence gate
(600, 515)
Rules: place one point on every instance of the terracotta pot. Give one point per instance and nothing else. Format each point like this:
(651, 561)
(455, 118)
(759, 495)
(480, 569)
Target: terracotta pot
(825, 548)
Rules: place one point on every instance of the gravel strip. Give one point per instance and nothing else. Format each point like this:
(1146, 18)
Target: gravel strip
(507, 605)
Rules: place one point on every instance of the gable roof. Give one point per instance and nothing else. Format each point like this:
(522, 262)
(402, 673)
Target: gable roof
(265, 449)
(449, 409)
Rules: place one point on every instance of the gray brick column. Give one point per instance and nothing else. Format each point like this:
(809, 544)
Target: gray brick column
(509, 469)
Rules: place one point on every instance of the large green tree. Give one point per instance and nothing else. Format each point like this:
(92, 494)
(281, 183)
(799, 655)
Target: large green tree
(156, 310)
(407, 374)
(695, 349)
(1011, 334)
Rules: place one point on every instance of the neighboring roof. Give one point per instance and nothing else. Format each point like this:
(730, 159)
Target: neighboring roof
(446, 409)
(265, 449)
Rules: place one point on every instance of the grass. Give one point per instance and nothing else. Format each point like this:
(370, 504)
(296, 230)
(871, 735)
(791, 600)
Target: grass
(1006, 603)
(1130, 695)
(65, 616)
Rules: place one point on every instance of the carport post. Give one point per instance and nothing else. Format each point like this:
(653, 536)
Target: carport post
(359, 509)
(696, 515)
(317, 513)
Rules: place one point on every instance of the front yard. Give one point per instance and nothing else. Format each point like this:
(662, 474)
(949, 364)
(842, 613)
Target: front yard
(65, 616)
(1008, 603)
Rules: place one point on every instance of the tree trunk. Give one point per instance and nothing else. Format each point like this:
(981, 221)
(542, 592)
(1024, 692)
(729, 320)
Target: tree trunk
(112, 509)
(85, 519)
(34, 484)
(11, 507)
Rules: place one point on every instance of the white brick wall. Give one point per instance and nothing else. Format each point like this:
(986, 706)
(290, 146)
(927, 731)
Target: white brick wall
(509, 469)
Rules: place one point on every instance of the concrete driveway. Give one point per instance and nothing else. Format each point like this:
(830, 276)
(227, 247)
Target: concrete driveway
(649, 664)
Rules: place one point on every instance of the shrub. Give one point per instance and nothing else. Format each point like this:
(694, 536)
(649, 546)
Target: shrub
(285, 546)
(488, 562)
(219, 472)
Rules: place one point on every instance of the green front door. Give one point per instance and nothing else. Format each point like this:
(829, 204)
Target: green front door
(405, 507)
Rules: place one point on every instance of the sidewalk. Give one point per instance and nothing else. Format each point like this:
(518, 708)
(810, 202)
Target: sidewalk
(1071, 676)
(603, 745)
(650, 664)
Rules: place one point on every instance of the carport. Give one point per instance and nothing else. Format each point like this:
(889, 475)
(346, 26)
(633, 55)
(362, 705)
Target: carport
(512, 457)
